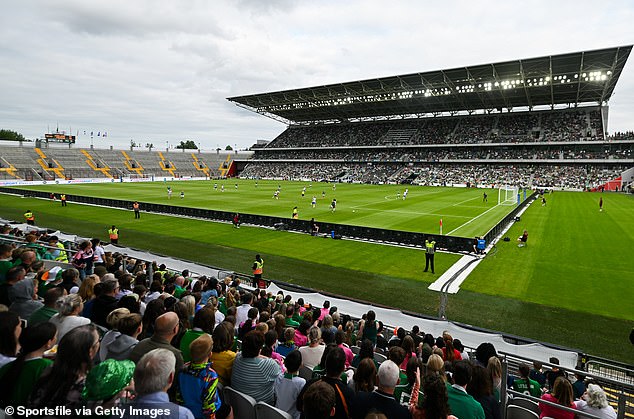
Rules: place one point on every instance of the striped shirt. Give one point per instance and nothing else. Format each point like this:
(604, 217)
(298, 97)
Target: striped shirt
(255, 377)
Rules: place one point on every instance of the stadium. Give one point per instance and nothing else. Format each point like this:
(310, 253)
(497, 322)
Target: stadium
(341, 204)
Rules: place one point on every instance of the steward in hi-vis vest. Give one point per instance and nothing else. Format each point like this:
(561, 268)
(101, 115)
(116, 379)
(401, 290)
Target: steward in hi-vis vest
(258, 266)
(113, 234)
(430, 250)
(29, 217)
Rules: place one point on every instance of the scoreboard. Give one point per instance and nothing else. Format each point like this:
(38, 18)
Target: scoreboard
(59, 138)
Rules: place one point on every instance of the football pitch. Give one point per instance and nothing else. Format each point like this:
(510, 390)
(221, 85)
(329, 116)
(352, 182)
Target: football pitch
(573, 284)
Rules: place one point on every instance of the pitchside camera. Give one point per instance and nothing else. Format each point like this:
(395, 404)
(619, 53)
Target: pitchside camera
(516, 219)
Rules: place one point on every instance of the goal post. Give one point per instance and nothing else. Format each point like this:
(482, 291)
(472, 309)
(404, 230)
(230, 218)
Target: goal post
(507, 195)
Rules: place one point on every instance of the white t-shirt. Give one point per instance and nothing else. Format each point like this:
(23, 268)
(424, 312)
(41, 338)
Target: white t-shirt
(605, 413)
(311, 356)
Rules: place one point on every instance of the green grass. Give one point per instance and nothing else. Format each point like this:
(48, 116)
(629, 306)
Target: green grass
(572, 284)
(363, 205)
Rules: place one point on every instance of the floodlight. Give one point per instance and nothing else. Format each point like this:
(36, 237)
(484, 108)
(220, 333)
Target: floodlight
(609, 73)
(604, 77)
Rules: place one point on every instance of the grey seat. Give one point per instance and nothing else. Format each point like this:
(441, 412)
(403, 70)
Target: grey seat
(266, 411)
(526, 403)
(519, 412)
(243, 405)
(305, 372)
(379, 357)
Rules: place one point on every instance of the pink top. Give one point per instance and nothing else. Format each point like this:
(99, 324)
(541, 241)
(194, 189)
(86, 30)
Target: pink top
(349, 354)
(324, 311)
(409, 356)
(552, 411)
(300, 340)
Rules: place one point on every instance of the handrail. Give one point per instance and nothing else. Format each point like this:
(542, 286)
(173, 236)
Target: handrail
(564, 408)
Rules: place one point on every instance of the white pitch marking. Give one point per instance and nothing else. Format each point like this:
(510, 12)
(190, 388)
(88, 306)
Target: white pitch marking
(471, 220)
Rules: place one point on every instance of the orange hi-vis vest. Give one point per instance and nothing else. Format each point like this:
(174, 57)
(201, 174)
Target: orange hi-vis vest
(29, 216)
(135, 206)
(258, 267)
(113, 233)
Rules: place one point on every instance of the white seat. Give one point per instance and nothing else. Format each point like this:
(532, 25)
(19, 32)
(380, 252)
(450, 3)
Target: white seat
(266, 411)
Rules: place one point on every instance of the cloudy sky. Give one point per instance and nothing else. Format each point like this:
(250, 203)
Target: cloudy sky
(159, 71)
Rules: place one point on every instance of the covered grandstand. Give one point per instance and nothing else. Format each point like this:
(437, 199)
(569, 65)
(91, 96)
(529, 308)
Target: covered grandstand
(539, 122)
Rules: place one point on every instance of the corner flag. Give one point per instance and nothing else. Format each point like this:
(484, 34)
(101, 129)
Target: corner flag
(441, 226)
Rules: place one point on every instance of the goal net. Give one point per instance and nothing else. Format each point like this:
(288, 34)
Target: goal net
(507, 195)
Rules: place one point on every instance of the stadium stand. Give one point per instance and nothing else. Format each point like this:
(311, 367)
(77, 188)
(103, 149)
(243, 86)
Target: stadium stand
(31, 163)
(184, 289)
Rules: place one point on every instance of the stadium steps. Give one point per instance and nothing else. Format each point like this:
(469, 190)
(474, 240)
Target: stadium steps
(166, 165)
(58, 170)
(104, 170)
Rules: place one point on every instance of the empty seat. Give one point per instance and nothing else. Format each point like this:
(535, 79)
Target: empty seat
(243, 405)
(266, 411)
(526, 403)
(519, 412)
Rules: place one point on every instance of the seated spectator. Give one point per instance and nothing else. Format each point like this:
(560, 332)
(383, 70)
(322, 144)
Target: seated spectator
(319, 401)
(301, 333)
(129, 327)
(14, 275)
(561, 394)
(153, 377)
(23, 294)
(44, 313)
(435, 404)
(290, 313)
(495, 370)
(10, 331)
(462, 404)
(403, 392)
(339, 338)
(288, 385)
(198, 382)
(254, 375)
(364, 378)
(311, 354)
(537, 374)
(153, 310)
(397, 337)
(554, 373)
(481, 389)
(18, 377)
(396, 354)
(113, 324)
(105, 302)
(366, 350)
(203, 323)
(68, 316)
(222, 355)
(579, 386)
(249, 324)
(409, 348)
(165, 328)
(382, 400)
(64, 382)
(449, 353)
(288, 345)
(344, 395)
(70, 279)
(595, 402)
(370, 328)
(270, 346)
(483, 352)
(524, 384)
(108, 382)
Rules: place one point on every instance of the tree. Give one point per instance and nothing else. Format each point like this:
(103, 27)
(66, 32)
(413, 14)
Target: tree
(6, 134)
(187, 145)
(229, 148)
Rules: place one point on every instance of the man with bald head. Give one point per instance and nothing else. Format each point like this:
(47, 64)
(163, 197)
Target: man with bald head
(165, 328)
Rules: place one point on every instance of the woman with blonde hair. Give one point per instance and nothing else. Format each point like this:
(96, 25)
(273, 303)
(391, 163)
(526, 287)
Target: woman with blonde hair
(435, 364)
(495, 369)
(67, 317)
(190, 303)
(112, 320)
(562, 395)
(87, 287)
(595, 402)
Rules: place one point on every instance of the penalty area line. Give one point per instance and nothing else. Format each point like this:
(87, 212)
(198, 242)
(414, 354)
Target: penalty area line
(471, 220)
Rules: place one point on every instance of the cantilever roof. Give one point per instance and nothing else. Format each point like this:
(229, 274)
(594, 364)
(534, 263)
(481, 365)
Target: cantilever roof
(576, 78)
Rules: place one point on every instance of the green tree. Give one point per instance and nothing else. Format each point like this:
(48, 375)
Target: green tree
(6, 134)
(187, 145)
(228, 148)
